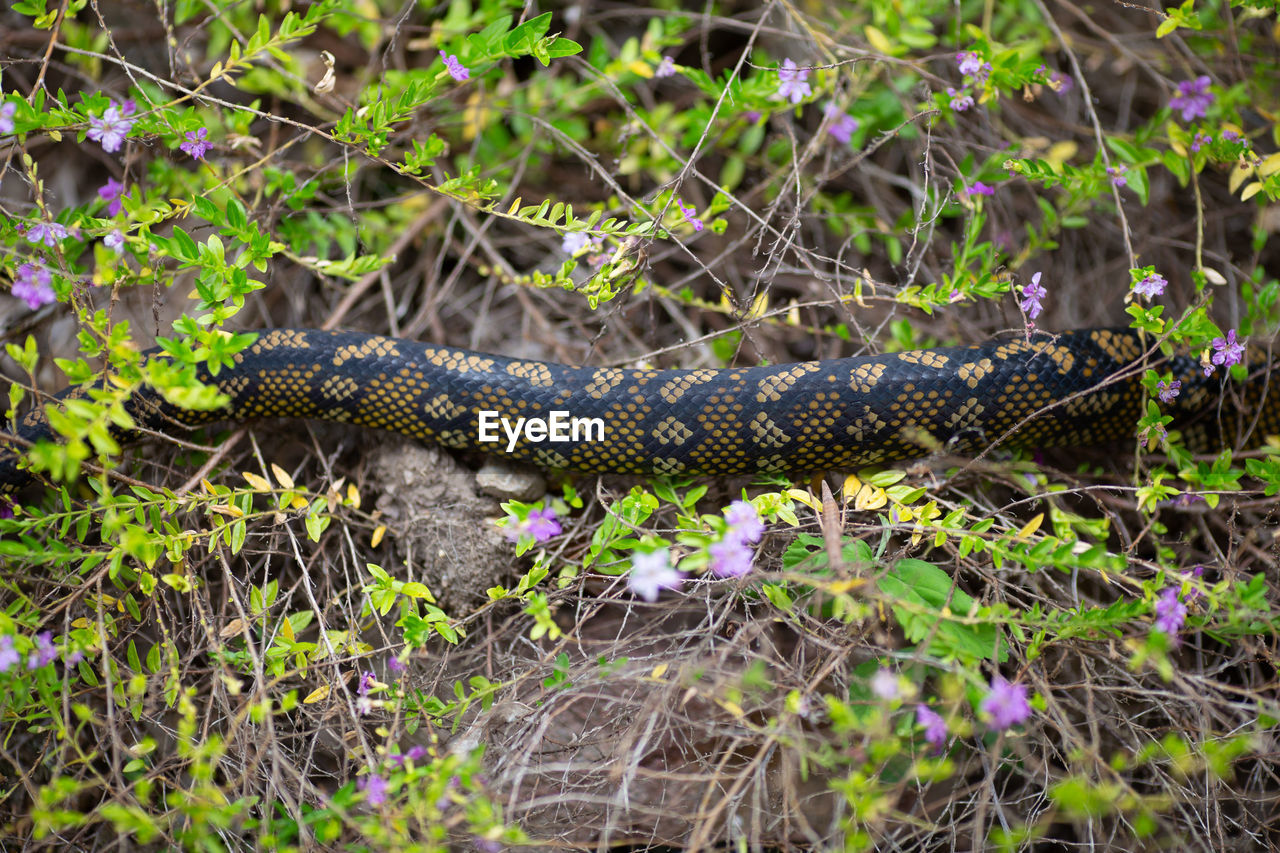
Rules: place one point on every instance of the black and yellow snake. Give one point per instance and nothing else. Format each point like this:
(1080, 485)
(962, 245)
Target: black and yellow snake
(1076, 388)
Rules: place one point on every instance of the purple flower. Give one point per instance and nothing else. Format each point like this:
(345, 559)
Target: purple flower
(1031, 295)
(1006, 704)
(1168, 392)
(112, 126)
(730, 557)
(45, 651)
(752, 116)
(979, 188)
(1152, 285)
(1193, 98)
(971, 64)
(885, 684)
(367, 681)
(33, 285)
(791, 83)
(651, 573)
(72, 658)
(1200, 141)
(1117, 175)
(935, 728)
(541, 524)
(48, 233)
(1230, 136)
(1195, 574)
(744, 521)
(456, 69)
(666, 68)
(114, 241)
(6, 116)
(1227, 351)
(112, 192)
(843, 126)
(574, 242)
(394, 665)
(6, 507)
(961, 100)
(1170, 612)
(197, 145)
(689, 215)
(9, 656)
(415, 753)
(1061, 83)
(374, 787)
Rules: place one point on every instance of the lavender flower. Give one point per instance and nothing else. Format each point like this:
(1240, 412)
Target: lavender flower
(47, 233)
(651, 573)
(744, 521)
(197, 145)
(730, 557)
(374, 787)
(1193, 98)
(1152, 285)
(971, 64)
(979, 188)
(414, 753)
(114, 241)
(842, 126)
(395, 666)
(961, 100)
(456, 69)
(9, 656)
(689, 215)
(1170, 612)
(6, 507)
(6, 116)
(1227, 351)
(574, 242)
(112, 127)
(885, 684)
(1061, 83)
(935, 728)
(791, 83)
(1168, 392)
(666, 68)
(1031, 295)
(45, 651)
(1200, 141)
(541, 524)
(1230, 136)
(1116, 174)
(364, 702)
(112, 192)
(1006, 704)
(33, 285)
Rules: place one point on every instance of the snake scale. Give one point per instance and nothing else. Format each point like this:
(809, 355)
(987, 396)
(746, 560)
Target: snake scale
(1077, 388)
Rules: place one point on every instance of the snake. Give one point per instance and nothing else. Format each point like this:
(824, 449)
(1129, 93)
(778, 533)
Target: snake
(1025, 390)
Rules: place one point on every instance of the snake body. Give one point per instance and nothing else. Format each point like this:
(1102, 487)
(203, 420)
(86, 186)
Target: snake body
(1077, 388)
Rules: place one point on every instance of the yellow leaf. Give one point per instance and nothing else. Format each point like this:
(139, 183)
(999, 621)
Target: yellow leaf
(282, 476)
(640, 68)
(805, 498)
(1061, 152)
(838, 587)
(759, 306)
(515, 206)
(259, 484)
(232, 628)
(286, 630)
(353, 496)
(870, 497)
(1250, 191)
(1270, 166)
(659, 671)
(850, 486)
(227, 509)
(317, 695)
(207, 486)
(1238, 174)
(298, 502)
(878, 40)
(378, 533)
(733, 708)
(1030, 527)
(215, 71)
